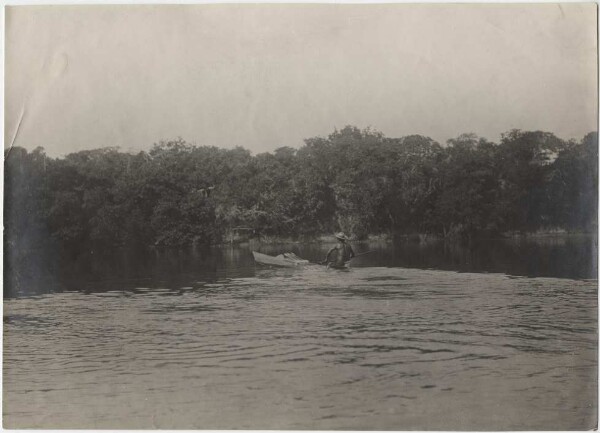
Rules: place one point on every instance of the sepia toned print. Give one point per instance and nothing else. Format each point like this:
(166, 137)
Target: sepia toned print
(307, 216)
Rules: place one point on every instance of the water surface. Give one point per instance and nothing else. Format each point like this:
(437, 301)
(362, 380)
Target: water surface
(206, 340)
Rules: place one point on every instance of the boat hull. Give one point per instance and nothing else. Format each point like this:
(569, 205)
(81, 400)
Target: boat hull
(283, 260)
(345, 266)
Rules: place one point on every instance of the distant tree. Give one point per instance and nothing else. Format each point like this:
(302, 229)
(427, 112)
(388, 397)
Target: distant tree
(525, 162)
(572, 187)
(468, 197)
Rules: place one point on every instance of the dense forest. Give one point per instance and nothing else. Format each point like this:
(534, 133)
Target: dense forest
(354, 180)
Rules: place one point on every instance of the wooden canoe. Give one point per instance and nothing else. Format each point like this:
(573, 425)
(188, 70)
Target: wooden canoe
(288, 260)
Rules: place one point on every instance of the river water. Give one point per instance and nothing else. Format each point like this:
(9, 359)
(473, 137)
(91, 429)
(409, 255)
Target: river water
(502, 335)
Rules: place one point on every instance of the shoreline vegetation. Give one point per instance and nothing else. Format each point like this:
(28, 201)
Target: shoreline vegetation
(326, 238)
(406, 238)
(531, 183)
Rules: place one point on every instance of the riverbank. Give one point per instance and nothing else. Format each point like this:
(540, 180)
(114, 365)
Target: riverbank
(411, 238)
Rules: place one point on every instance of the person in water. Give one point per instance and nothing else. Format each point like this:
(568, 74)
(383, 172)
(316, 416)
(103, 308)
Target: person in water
(343, 252)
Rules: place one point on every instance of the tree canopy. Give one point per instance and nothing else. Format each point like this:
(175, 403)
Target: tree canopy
(356, 180)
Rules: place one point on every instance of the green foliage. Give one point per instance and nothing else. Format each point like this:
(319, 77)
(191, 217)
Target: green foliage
(353, 180)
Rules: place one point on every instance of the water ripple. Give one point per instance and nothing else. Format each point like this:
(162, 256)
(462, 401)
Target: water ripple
(369, 348)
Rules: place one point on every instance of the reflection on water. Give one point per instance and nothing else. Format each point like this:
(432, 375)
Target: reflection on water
(204, 340)
(48, 272)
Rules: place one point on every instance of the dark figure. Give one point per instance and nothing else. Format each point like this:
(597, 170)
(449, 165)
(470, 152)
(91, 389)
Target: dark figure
(341, 253)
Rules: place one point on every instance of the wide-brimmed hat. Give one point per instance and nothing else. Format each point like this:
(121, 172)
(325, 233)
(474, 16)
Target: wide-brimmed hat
(341, 236)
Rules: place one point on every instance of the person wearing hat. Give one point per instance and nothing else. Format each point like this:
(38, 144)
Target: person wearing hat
(343, 252)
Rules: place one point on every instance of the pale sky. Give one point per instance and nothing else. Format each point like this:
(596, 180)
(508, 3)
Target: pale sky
(266, 76)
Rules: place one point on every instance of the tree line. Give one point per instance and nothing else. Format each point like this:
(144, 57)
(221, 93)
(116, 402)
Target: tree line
(355, 180)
